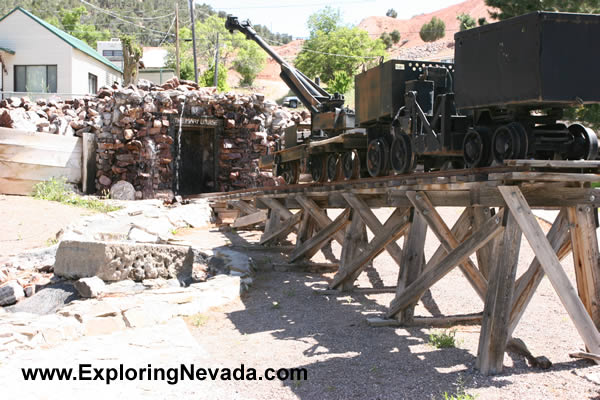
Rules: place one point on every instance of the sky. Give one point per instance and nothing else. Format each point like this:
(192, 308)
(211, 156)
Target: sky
(290, 16)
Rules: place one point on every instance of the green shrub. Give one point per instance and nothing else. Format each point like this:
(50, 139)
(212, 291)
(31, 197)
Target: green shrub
(57, 189)
(443, 339)
(433, 30)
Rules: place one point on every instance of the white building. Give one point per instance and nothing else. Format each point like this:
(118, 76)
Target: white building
(112, 50)
(37, 57)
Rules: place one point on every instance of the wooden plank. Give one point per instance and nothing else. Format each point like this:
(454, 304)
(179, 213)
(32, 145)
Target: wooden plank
(276, 205)
(39, 140)
(435, 272)
(356, 290)
(38, 172)
(412, 261)
(546, 176)
(318, 215)
(302, 231)
(244, 207)
(551, 265)
(319, 240)
(447, 239)
(583, 354)
(355, 242)
(67, 157)
(498, 303)
(282, 229)
(554, 163)
(251, 219)
(526, 285)
(460, 230)
(395, 229)
(372, 223)
(582, 220)
(440, 322)
(484, 254)
(273, 222)
(88, 163)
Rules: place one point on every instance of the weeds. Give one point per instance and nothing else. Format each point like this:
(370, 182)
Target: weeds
(461, 393)
(51, 241)
(56, 189)
(199, 319)
(443, 339)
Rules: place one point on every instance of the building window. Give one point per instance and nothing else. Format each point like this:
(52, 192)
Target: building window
(92, 84)
(112, 53)
(35, 78)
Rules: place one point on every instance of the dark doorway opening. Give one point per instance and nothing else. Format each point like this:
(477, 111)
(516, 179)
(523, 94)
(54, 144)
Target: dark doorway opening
(198, 168)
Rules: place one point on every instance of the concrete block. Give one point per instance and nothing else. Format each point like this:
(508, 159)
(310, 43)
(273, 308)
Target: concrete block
(90, 287)
(10, 293)
(115, 261)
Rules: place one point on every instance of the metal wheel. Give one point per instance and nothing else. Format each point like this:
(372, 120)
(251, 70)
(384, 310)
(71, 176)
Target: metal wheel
(316, 166)
(509, 142)
(377, 157)
(585, 143)
(402, 157)
(351, 165)
(332, 167)
(476, 148)
(290, 172)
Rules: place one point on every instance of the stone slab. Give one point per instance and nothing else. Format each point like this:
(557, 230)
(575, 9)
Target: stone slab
(115, 261)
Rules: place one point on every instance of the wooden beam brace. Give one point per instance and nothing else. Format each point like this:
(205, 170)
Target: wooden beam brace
(526, 285)
(250, 219)
(551, 265)
(283, 229)
(496, 313)
(434, 272)
(244, 207)
(412, 260)
(318, 215)
(460, 230)
(373, 223)
(395, 228)
(447, 239)
(319, 240)
(484, 254)
(274, 204)
(355, 241)
(582, 220)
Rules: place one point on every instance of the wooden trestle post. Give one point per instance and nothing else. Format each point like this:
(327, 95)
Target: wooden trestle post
(355, 241)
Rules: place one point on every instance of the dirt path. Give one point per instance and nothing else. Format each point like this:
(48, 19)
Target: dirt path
(28, 223)
(281, 322)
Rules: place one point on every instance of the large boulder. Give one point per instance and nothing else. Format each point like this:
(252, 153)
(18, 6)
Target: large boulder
(122, 190)
(115, 261)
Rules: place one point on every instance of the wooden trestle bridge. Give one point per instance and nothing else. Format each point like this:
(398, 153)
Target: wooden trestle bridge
(497, 204)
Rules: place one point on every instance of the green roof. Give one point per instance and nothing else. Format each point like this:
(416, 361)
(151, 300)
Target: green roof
(9, 51)
(71, 40)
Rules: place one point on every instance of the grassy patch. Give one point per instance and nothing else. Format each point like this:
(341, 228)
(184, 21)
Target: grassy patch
(459, 395)
(56, 189)
(199, 319)
(443, 339)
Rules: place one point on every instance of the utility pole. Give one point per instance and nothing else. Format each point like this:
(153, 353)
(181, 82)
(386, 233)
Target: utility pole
(217, 63)
(177, 39)
(194, 40)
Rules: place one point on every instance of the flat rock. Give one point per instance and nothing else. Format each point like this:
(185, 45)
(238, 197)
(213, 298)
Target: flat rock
(115, 261)
(10, 293)
(90, 287)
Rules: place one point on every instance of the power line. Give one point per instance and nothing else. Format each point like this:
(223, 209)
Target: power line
(170, 27)
(126, 16)
(296, 5)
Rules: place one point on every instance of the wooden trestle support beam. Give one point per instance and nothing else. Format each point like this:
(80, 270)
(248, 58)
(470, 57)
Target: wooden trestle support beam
(497, 214)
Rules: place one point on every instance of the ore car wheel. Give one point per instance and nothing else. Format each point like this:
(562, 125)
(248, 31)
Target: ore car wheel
(476, 148)
(290, 172)
(509, 142)
(351, 165)
(377, 157)
(402, 157)
(585, 143)
(332, 167)
(317, 168)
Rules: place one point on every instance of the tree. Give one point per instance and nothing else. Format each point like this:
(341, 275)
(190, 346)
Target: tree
(511, 8)
(395, 35)
(340, 83)
(132, 53)
(482, 21)
(332, 47)
(466, 22)
(433, 30)
(387, 40)
(70, 22)
(208, 78)
(326, 20)
(391, 13)
(249, 61)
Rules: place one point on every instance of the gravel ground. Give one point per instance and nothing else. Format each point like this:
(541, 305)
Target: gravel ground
(347, 359)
